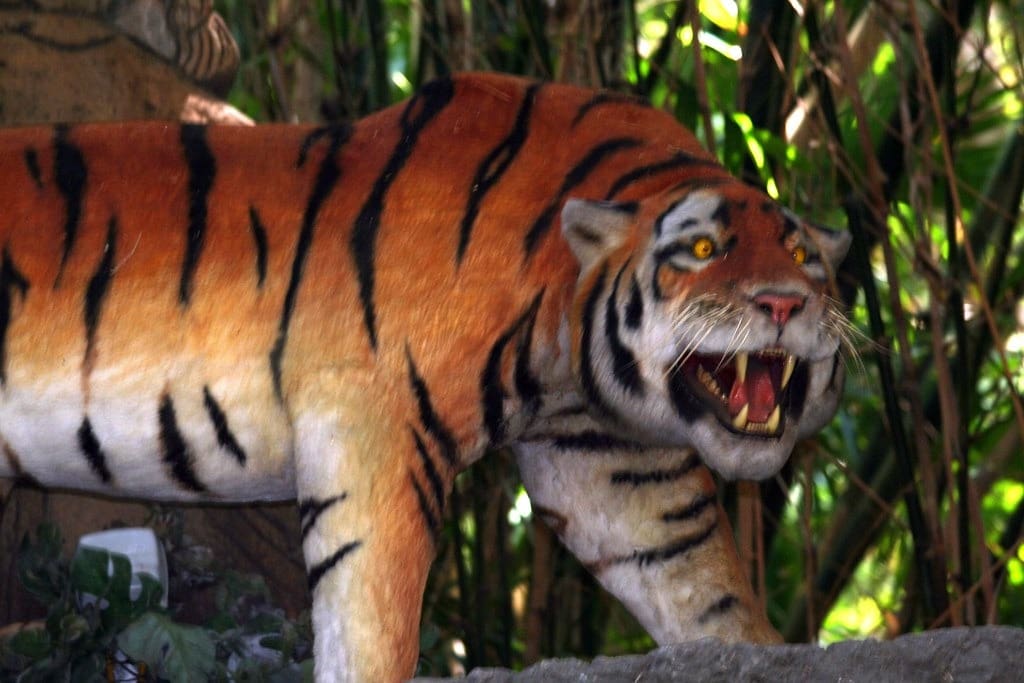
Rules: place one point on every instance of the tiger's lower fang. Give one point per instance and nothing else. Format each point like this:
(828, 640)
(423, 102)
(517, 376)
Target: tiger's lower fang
(740, 421)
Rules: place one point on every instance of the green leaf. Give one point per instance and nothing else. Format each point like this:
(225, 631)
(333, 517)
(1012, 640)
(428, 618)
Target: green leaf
(108, 577)
(90, 571)
(221, 622)
(734, 147)
(149, 597)
(173, 651)
(33, 643)
(120, 610)
(74, 627)
(40, 568)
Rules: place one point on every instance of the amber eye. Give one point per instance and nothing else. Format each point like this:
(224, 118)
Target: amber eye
(799, 254)
(703, 248)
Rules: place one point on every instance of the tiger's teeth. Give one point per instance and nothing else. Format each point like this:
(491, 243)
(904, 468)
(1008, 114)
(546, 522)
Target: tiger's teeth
(709, 381)
(773, 420)
(741, 366)
(740, 421)
(787, 369)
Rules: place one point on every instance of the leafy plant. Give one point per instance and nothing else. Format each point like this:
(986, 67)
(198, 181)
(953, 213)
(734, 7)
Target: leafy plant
(95, 630)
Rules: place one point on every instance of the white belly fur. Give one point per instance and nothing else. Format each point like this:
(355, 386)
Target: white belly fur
(40, 422)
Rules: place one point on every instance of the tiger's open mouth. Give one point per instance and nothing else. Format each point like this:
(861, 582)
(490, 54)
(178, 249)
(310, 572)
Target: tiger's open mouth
(746, 391)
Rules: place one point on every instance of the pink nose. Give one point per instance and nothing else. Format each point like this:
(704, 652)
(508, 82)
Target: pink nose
(780, 307)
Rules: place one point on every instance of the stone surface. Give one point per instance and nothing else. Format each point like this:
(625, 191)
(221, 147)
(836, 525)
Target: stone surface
(991, 653)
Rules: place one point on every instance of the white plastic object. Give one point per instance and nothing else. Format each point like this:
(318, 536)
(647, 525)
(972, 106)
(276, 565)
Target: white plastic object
(142, 548)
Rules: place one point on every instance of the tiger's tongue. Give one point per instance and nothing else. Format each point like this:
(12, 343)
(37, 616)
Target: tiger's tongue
(757, 392)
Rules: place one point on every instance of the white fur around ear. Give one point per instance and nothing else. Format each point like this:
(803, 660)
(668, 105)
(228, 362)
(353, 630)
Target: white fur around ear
(593, 228)
(832, 244)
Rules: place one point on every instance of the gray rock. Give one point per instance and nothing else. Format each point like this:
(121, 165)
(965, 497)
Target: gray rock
(989, 653)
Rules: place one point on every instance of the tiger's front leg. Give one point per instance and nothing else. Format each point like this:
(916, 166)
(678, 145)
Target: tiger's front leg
(647, 524)
(368, 543)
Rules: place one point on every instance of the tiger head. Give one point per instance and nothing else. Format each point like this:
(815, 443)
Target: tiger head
(703, 321)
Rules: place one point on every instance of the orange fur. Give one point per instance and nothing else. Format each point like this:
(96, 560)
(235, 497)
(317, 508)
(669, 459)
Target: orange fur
(384, 346)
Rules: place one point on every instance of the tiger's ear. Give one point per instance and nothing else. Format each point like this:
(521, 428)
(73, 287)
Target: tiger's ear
(593, 228)
(832, 244)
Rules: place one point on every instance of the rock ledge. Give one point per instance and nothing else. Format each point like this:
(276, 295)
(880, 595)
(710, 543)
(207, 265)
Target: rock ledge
(989, 653)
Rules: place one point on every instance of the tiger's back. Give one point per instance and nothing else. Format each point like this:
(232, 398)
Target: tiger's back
(350, 315)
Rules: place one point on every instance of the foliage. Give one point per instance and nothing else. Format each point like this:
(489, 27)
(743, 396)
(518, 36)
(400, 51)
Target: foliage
(96, 630)
(904, 122)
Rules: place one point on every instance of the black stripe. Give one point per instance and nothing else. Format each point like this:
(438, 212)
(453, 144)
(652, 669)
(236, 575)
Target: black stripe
(789, 227)
(492, 390)
(635, 306)
(686, 404)
(311, 509)
(607, 98)
(436, 485)
(225, 438)
(656, 292)
(326, 178)
(24, 29)
(659, 223)
(14, 462)
(670, 251)
(423, 107)
(10, 279)
(71, 176)
(202, 168)
(429, 518)
(671, 550)
(834, 374)
(660, 476)
(430, 420)
(527, 385)
(723, 214)
(624, 363)
(32, 164)
(176, 453)
(493, 167)
(641, 173)
(571, 410)
(259, 238)
(703, 183)
(317, 571)
(93, 452)
(96, 291)
(588, 380)
(797, 390)
(574, 177)
(594, 441)
(723, 605)
(691, 511)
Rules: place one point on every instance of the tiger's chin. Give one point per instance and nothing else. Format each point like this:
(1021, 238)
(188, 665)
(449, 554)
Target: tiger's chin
(745, 412)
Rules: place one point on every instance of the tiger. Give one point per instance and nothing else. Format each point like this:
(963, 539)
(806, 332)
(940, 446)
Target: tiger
(348, 315)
